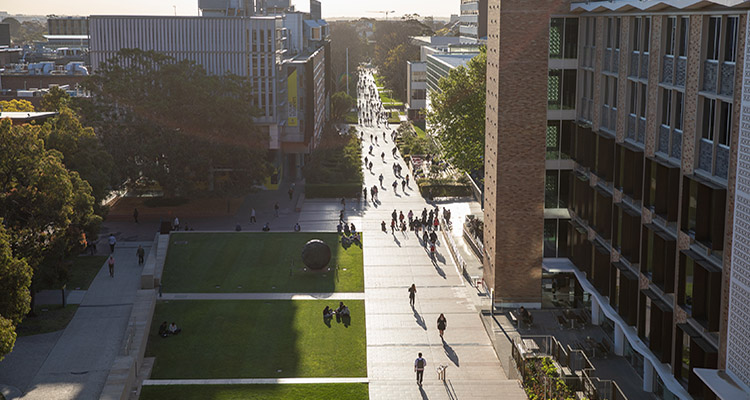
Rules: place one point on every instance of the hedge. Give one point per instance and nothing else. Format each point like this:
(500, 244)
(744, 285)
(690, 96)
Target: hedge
(431, 190)
(338, 190)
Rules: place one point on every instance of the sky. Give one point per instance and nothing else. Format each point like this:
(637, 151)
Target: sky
(331, 8)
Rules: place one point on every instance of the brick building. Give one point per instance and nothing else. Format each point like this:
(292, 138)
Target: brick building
(621, 168)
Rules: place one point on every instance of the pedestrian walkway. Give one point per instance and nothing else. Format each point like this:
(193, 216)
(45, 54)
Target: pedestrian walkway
(396, 332)
(250, 381)
(262, 296)
(79, 362)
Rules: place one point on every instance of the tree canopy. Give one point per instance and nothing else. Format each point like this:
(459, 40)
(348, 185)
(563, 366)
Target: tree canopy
(393, 49)
(341, 103)
(171, 122)
(457, 115)
(344, 36)
(45, 210)
(16, 106)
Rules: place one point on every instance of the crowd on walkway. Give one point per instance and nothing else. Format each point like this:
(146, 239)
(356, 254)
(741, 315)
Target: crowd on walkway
(369, 107)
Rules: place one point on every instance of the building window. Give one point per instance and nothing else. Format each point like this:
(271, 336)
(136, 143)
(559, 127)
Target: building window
(709, 112)
(553, 140)
(730, 40)
(679, 102)
(636, 34)
(684, 24)
(551, 189)
(666, 107)
(725, 124)
(671, 32)
(550, 238)
(714, 34)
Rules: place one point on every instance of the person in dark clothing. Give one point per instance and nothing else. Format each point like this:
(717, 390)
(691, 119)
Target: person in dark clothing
(412, 294)
(135, 215)
(441, 324)
(141, 253)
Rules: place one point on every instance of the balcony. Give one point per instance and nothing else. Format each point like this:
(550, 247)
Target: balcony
(667, 69)
(663, 143)
(710, 72)
(644, 66)
(676, 148)
(681, 71)
(705, 155)
(727, 79)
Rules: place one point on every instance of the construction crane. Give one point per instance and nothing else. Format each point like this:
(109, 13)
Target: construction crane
(383, 12)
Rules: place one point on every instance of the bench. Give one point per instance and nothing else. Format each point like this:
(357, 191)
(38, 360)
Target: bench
(513, 318)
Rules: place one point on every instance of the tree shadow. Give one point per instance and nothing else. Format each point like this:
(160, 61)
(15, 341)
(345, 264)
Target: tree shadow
(419, 319)
(450, 353)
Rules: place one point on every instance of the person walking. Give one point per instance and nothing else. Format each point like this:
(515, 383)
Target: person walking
(112, 243)
(111, 263)
(381, 180)
(395, 186)
(419, 365)
(403, 186)
(441, 324)
(252, 216)
(364, 194)
(135, 215)
(412, 294)
(141, 253)
(382, 226)
(176, 224)
(291, 193)
(276, 209)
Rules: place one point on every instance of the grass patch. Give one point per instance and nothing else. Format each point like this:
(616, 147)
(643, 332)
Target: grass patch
(420, 132)
(389, 101)
(351, 118)
(379, 80)
(257, 262)
(256, 339)
(84, 270)
(349, 391)
(54, 319)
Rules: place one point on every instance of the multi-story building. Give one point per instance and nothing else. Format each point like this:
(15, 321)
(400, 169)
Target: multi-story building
(645, 98)
(473, 19)
(286, 56)
(416, 89)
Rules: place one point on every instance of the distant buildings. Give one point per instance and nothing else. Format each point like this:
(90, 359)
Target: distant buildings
(473, 19)
(285, 53)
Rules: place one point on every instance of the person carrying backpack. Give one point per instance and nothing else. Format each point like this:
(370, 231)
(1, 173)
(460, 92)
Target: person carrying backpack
(419, 365)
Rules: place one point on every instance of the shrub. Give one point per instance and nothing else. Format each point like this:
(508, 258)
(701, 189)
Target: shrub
(432, 188)
(348, 190)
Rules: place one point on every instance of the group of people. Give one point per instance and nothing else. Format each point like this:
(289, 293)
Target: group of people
(168, 330)
(370, 109)
(428, 222)
(341, 311)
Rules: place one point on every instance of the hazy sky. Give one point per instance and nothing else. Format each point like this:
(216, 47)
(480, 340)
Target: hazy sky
(331, 8)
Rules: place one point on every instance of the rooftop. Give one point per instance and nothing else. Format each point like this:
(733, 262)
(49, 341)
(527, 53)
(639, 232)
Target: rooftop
(453, 60)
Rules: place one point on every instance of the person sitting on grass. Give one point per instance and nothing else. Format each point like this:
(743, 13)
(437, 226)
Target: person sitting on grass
(327, 313)
(173, 329)
(163, 329)
(266, 227)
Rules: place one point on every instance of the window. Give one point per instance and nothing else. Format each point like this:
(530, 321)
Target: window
(679, 102)
(714, 33)
(617, 33)
(643, 102)
(553, 139)
(556, 33)
(570, 39)
(730, 40)
(646, 33)
(554, 89)
(709, 111)
(551, 189)
(609, 32)
(636, 34)
(633, 97)
(684, 21)
(725, 124)
(569, 89)
(671, 31)
(666, 107)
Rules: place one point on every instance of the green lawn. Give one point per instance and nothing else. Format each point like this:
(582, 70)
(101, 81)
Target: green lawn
(84, 271)
(257, 262)
(420, 131)
(257, 339)
(54, 319)
(349, 391)
(389, 101)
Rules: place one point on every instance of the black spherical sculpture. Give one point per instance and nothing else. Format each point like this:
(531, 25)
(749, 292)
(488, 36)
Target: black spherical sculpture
(316, 254)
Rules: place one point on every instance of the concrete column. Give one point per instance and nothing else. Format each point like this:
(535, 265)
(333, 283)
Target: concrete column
(595, 311)
(648, 377)
(619, 340)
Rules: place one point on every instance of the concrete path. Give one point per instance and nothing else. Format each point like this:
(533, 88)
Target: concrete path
(78, 364)
(262, 296)
(250, 381)
(396, 332)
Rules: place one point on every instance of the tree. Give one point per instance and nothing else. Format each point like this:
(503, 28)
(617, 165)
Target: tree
(171, 122)
(393, 48)
(16, 106)
(15, 279)
(55, 99)
(344, 36)
(45, 208)
(81, 149)
(341, 103)
(457, 114)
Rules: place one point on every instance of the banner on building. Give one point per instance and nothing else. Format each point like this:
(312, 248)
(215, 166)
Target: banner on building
(292, 106)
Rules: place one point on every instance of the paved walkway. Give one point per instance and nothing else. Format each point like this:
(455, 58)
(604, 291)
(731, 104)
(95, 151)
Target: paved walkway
(396, 332)
(78, 363)
(250, 381)
(262, 296)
